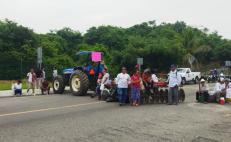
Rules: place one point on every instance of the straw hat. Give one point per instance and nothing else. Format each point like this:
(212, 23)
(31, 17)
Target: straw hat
(202, 80)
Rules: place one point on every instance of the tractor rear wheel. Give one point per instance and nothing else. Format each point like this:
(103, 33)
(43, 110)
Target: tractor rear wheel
(58, 85)
(79, 83)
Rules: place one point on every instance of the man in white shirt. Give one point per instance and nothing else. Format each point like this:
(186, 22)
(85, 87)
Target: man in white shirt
(219, 89)
(220, 85)
(123, 80)
(174, 82)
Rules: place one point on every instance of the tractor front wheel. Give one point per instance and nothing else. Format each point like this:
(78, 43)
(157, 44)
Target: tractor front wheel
(58, 85)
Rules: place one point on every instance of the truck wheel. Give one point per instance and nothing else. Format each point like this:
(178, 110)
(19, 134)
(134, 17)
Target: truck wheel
(58, 85)
(183, 82)
(79, 83)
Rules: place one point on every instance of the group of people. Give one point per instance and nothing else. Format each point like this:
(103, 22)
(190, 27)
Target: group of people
(35, 80)
(138, 83)
(220, 91)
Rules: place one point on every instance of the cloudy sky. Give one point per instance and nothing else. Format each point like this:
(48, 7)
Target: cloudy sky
(45, 15)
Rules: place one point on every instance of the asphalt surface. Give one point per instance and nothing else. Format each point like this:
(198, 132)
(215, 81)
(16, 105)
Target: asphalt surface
(67, 118)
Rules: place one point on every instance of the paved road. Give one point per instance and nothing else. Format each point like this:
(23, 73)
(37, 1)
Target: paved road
(66, 118)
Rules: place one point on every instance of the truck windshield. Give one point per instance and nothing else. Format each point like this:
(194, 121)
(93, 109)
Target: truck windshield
(181, 70)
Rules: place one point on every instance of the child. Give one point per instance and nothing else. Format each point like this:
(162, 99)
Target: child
(135, 86)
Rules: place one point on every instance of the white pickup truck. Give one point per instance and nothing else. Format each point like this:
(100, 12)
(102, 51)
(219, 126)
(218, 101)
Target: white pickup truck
(188, 76)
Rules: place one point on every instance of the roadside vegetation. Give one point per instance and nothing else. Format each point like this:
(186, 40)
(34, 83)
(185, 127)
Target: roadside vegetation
(160, 45)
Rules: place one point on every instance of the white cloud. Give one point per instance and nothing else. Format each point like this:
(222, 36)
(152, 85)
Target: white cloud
(45, 15)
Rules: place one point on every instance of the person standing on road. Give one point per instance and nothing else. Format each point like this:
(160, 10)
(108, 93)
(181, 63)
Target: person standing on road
(39, 76)
(135, 88)
(55, 72)
(174, 82)
(43, 73)
(122, 80)
(31, 81)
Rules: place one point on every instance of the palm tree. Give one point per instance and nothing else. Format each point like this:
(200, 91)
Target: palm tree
(190, 43)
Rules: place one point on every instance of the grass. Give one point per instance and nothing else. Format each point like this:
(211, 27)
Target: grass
(6, 84)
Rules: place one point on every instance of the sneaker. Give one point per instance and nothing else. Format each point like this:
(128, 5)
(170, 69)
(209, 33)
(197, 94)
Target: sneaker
(34, 94)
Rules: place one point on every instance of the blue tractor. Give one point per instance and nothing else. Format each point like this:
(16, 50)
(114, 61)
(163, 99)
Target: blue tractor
(80, 78)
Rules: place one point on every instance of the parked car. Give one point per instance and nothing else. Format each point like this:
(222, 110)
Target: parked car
(189, 76)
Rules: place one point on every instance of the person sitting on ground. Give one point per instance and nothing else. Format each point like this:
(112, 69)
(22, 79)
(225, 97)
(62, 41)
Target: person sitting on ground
(18, 88)
(203, 91)
(45, 87)
(219, 89)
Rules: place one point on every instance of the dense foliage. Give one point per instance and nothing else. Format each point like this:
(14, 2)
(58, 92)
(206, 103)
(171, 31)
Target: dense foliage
(159, 45)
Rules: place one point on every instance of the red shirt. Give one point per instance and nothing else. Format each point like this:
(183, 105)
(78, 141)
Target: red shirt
(135, 81)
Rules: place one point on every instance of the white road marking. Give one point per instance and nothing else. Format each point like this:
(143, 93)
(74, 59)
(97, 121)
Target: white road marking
(48, 109)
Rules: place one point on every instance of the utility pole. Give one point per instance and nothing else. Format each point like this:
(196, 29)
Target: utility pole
(21, 67)
(39, 57)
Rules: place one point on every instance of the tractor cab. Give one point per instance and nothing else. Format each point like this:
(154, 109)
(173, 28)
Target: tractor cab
(81, 78)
